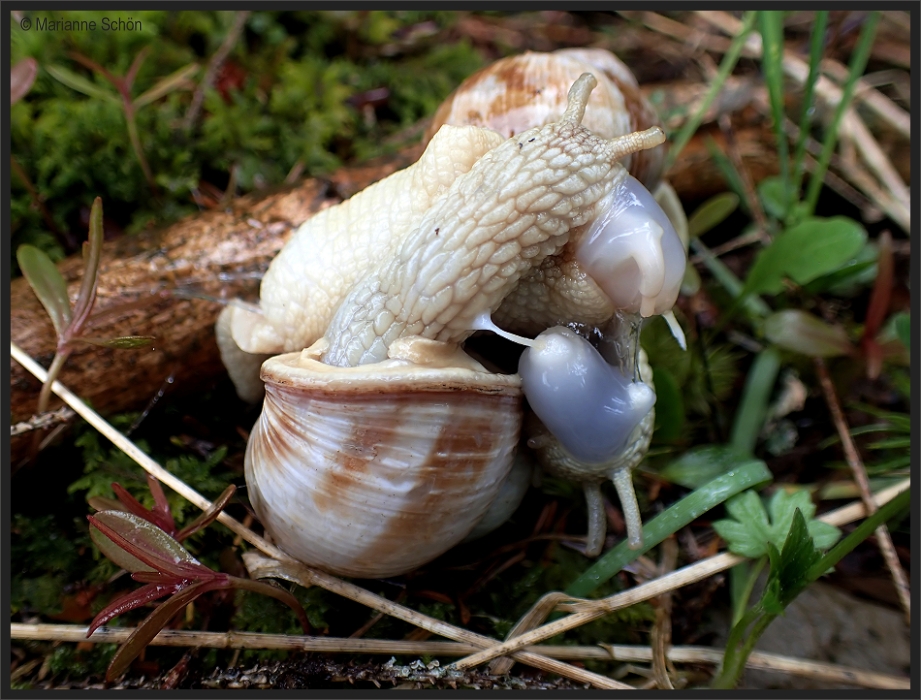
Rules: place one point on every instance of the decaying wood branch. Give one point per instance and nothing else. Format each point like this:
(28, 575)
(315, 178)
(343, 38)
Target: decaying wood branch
(171, 283)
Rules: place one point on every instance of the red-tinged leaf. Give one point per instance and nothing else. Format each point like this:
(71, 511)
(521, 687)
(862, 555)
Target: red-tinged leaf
(148, 543)
(130, 601)
(103, 503)
(273, 591)
(22, 77)
(47, 283)
(153, 624)
(157, 577)
(132, 505)
(161, 503)
(209, 515)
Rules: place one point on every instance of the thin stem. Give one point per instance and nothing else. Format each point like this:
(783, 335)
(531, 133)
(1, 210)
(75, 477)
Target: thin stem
(858, 63)
(136, 145)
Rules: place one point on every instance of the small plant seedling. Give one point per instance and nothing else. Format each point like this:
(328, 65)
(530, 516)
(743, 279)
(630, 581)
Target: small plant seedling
(147, 543)
(69, 323)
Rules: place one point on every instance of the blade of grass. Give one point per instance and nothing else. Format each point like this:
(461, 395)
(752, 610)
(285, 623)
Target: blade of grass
(751, 474)
(858, 63)
(816, 49)
(755, 396)
(771, 23)
(729, 61)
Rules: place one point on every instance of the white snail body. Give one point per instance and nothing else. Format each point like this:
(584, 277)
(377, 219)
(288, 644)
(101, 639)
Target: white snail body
(392, 320)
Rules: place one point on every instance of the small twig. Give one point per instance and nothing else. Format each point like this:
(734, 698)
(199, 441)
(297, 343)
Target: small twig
(214, 65)
(328, 645)
(43, 420)
(884, 539)
(661, 635)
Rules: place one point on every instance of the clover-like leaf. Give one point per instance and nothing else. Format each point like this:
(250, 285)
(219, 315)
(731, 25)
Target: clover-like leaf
(750, 530)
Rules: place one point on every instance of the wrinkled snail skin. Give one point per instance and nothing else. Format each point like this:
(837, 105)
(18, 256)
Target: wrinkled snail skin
(515, 207)
(329, 253)
(383, 444)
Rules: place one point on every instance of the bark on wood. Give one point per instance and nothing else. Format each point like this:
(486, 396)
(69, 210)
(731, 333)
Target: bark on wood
(170, 283)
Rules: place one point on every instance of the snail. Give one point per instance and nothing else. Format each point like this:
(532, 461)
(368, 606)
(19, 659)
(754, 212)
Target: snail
(381, 443)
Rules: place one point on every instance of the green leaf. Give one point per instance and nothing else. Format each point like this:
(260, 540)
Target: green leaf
(701, 464)
(790, 570)
(125, 342)
(804, 333)
(771, 191)
(669, 406)
(811, 248)
(749, 533)
(752, 409)
(712, 213)
(902, 323)
(47, 283)
(80, 84)
(92, 254)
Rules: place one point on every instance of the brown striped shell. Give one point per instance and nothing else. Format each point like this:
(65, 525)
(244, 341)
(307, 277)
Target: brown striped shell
(517, 93)
(372, 471)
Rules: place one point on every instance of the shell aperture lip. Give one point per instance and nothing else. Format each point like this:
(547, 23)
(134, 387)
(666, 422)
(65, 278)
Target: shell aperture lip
(588, 405)
(633, 252)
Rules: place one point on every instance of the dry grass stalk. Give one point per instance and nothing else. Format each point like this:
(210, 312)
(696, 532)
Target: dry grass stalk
(286, 567)
(583, 612)
(883, 538)
(586, 611)
(327, 645)
(852, 127)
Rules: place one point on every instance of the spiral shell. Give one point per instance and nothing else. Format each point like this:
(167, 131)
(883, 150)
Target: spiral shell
(520, 92)
(373, 471)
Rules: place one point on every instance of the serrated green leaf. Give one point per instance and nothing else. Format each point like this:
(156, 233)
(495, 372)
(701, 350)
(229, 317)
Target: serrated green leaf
(125, 342)
(712, 213)
(750, 533)
(797, 557)
(81, 84)
(812, 248)
(799, 331)
(47, 283)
